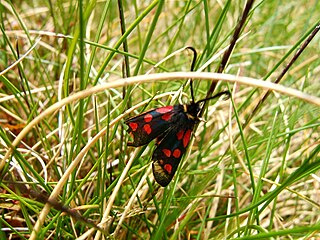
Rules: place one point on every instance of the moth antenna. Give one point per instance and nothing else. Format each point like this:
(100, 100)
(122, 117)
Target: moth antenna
(227, 93)
(192, 69)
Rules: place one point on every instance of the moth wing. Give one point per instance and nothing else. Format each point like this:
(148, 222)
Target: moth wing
(149, 125)
(169, 152)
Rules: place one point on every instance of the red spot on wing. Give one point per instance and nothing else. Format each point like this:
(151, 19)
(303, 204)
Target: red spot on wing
(180, 134)
(148, 117)
(186, 138)
(166, 152)
(147, 128)
(133, 126)
(168, 168)
(164, 109)
(166, 116)
(176, 153)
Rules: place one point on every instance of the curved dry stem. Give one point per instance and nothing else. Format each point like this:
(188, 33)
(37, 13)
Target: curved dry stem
(74, 164)
(160, 77)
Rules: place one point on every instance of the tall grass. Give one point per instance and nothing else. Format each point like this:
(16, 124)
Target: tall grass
(63, 137)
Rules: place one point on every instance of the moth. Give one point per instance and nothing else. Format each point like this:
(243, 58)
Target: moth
(172, 127)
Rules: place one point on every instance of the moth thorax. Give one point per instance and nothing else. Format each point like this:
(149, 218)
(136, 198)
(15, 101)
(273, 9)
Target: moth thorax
(192, 111)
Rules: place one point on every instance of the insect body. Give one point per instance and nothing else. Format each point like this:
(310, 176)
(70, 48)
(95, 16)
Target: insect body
(172, 127)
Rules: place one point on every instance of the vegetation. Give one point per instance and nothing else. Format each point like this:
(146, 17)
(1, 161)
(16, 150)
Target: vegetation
(66, 170)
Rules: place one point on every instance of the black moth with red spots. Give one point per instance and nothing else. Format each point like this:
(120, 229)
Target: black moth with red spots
(172, 127)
